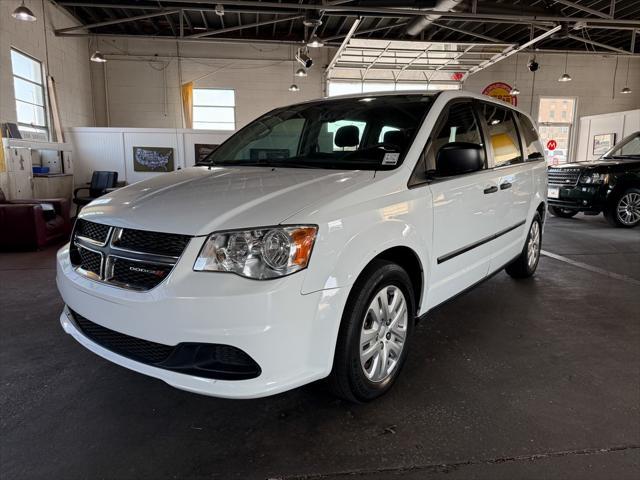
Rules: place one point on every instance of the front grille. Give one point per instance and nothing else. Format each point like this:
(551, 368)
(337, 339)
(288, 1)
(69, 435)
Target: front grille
(169, 244)
(125, 345)
(139, 275)
(563, 176)
(92, 230)
(127, 258)
(90, 260)
(208, 360)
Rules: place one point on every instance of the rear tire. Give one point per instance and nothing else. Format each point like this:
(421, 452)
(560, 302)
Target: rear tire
(375, 334)
(624, 209)
(527, 262)
(562, 212)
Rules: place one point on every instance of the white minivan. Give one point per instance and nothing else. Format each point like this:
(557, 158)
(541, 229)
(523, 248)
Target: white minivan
(308, 244)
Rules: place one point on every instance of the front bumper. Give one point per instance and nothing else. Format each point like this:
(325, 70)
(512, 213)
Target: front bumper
(590, 198)
(290, 335)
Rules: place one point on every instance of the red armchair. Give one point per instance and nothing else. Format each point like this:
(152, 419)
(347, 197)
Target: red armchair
(24, 224)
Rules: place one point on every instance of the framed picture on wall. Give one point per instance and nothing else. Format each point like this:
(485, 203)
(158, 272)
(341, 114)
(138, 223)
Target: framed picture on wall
(202, 150)
(152, 159)
(603, 142)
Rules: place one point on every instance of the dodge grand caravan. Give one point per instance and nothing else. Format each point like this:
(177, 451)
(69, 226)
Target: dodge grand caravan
(307, 244)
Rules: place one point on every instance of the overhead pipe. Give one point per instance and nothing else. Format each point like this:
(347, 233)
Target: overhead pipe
(420, 24)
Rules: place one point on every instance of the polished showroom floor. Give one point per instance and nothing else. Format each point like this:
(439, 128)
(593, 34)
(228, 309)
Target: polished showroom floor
(529, 379)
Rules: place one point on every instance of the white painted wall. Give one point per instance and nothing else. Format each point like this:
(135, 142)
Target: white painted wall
(143, 79)
(66, 59)
(620, 123)
(112, 149)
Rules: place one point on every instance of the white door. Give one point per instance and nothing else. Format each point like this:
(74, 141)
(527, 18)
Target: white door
(515, 183)
(464, 211)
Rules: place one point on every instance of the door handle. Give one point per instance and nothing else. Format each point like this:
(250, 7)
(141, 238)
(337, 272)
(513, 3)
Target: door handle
(505, 185)
(489, 190)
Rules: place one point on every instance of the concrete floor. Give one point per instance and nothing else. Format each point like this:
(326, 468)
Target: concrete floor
(530, 379)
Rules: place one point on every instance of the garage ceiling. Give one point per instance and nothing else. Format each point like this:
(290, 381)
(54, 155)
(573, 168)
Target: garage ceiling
(586, 25)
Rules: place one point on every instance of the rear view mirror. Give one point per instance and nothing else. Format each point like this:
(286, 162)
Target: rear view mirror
(456, 158)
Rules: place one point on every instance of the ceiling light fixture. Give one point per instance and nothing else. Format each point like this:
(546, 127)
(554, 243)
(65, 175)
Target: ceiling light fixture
(23, 14)
(219, 9)
(315, 42)
(514, 91)
(294, 88)
(301, 72)
(565, 77)
(98, 57)
(626, 89)
(305, 60)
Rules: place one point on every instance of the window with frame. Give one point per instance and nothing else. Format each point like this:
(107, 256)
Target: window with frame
(458, 125)
(29, 92)
(557, 129)
(214, 109)
(532, 147)
(503, 141)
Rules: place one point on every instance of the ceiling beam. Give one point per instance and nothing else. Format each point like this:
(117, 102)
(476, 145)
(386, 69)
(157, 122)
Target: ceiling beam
(394, 11)
(510, 51)
(117, 21)
(344, 44)
(467, 32)
(588, 10)
(246, 25)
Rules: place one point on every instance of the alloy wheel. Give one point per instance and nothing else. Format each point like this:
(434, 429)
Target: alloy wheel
(628, 208)
(383, 334)
(533, 245)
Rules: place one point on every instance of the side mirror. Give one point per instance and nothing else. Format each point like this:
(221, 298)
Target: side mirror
(456, 158)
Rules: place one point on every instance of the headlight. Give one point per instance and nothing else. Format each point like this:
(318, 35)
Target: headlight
(594, 178)
(259, 253)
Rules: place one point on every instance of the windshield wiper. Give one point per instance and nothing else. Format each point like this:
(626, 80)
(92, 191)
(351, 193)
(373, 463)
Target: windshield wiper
(630, 155)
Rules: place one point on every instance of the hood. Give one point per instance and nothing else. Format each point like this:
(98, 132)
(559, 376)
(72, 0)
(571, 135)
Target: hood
(198, 201)
(591, 164)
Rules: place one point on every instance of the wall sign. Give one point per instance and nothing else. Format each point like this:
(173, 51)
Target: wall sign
(602, 143)
(152, 159)
(500, 90)
(552, 145)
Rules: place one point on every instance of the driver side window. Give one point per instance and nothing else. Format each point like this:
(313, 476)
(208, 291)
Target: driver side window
(459, 125)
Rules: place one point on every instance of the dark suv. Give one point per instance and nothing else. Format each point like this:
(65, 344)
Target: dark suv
(610, 185)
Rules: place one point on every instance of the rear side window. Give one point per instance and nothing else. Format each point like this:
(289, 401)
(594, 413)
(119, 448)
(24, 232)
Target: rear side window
(532, 146)
(459, 125)
(503, 135)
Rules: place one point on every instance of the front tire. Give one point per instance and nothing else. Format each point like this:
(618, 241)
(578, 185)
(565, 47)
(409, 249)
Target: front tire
(624, 210)
(562, 212)
(527, 262)
(375, 332)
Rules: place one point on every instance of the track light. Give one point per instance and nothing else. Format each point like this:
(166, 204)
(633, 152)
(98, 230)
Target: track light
(24, 14)
(301, 72)
(98, 57)
(304, 59)
(294, 88)
(315, 42)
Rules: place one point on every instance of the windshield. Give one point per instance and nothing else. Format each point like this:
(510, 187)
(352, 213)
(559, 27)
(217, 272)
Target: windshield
(353, 133)
(627, 148)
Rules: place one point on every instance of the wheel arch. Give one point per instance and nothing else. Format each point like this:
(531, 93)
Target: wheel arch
(409, 260)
